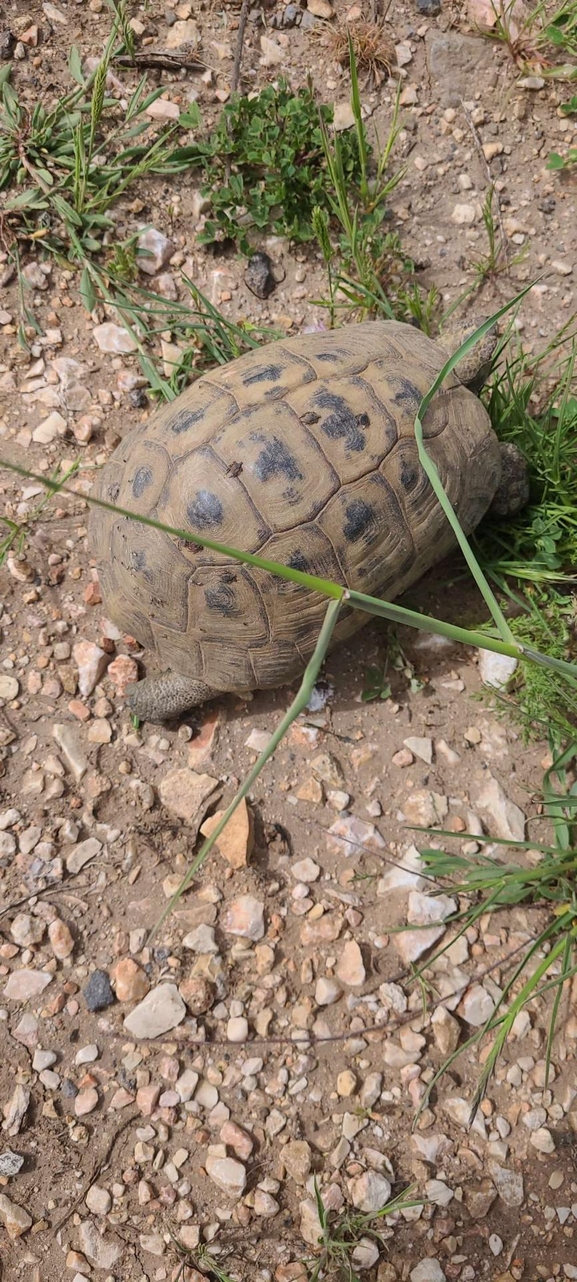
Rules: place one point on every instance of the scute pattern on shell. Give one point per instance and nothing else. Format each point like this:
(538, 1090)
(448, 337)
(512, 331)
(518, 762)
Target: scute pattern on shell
(304, 452)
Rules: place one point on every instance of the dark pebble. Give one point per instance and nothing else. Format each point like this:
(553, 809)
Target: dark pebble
(7, 45)
(138, 398)
(68, 1089)
(547, 205)
(258, 275)
(98, 991)
(430, 7)
(288, 18)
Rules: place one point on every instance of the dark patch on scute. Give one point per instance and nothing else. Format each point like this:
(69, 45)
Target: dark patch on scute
(408, 395)
(141, 482)
(298, 561)
(112, 492)
(359, 518)
(409, 475)
(331, 357)
(263, 374)
(185, 419)
(309, 419)
(139, 564)
(275, 459)
(275, 393)
(221, 599)
(204, 511)
(342, 424)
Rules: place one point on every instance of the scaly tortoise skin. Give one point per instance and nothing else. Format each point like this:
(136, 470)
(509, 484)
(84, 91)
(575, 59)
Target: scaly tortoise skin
(305, 453)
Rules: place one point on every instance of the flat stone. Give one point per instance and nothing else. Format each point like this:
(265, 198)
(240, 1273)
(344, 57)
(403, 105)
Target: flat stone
(428, 1270)
(26, 931)
(161, 1010)
(10, 1163)
(201, 940)
(101, 1252)
(237, 838)
(446, 1031)
(310, 1226)
(114, 338)
(370, 1192)
(459, 1110)
(350, 969)
(509, 1184)
(454, 62)
(505, 819)
(542, 1140)
(365, 1253)
(425, 809)
(245, 917)
(305, 870)
(130, 980)
(182, 33)
(406, 874)
(479, 1198)
(350, 836)
(86, 1101)
(82, 853)
(14, 1218)
(183, 792)
(25, 984)
(296, 1157)
(421, 747)
(228, 1175)
(327, 991)
(477, 1006)
(76, 760)
(9, 687)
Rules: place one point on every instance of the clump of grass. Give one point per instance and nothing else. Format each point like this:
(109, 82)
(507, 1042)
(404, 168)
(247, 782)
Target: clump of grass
(543, 878)
(374, 51)
(63, 166)
(536, 38)
(342, 1233)
(496, 259)
(531, 402)
(264, 166)
(367, 270)
(542, 704)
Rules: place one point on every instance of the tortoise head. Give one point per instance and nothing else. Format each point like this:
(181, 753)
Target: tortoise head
(474, 368)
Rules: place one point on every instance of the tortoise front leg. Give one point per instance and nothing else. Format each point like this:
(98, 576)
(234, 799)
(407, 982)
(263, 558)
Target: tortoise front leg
(166, 697)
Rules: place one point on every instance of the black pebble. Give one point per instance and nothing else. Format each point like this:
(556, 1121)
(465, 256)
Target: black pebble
(98, 991)
(258, 275)
(547, 205)
(138, 398)
(7, 45)
(430, 7)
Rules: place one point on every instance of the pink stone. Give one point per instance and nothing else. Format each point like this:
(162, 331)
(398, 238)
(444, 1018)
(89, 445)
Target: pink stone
(237, 1139)
(122, 672)
(147, 1098)
(61, 939)
(91, 662)
(86, 1101)
(169, 1099)
(121, 1099)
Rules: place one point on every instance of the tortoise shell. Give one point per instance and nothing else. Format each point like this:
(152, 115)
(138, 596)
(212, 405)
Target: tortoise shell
(304, 452)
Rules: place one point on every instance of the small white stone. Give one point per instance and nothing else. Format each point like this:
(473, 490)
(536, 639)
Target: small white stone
(350, 969)
(495, 1244)
(305, 870)
(327, 991)
(98, 1200)
(237, 1029)
(161, 1010)
(228, 1175)
(464, 215)
(505, 818)
(113, 338)
(427, 1271)
(9, 687)
(496, 669)
(542, 1140)
(370, 1192)
(477, 1006)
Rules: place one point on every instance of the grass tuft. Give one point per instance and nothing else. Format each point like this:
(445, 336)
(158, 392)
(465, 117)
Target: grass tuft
(373, 49)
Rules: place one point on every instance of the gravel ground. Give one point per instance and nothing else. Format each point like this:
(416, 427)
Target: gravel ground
(192, 1092)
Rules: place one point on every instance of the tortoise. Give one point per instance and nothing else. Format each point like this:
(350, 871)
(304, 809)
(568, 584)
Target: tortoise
(303, 452)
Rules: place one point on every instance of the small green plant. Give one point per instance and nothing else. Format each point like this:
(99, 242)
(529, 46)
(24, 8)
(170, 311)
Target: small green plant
(545, 879)
(70, 162)
(264, 166)
(496, 260)
(543, 705)
(537, 37)
(17, 531)
(376, 684)
(556, 161)
(342, 1234)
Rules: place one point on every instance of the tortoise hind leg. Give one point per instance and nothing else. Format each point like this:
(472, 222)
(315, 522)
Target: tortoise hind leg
(165, 697)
